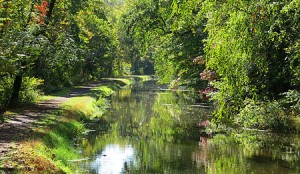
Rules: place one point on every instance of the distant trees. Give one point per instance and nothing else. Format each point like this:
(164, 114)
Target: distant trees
(167, 33)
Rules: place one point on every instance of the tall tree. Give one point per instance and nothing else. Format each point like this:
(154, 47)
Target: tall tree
(43, 17)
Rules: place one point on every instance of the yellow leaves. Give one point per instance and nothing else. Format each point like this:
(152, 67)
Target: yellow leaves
(85, 33)
(89, 34)
(65, 22)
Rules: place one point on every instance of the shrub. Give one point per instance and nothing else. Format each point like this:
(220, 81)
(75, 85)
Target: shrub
(5, 90)
(29, 90)
(291, 102)
(263, 115)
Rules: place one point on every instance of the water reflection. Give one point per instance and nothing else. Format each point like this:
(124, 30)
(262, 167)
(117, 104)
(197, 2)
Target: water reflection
(147, 113)
(113, 159)
(253, 152)
(151, 131)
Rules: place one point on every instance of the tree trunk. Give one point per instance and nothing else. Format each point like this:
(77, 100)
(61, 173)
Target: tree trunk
(16, 90)
(48, 17)
(1, 115)
(49, 12)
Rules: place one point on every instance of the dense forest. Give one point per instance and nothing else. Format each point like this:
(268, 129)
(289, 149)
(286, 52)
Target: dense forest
(242, 55)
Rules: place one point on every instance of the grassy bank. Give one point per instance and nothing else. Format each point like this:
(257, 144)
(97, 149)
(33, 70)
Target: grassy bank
(51, 146)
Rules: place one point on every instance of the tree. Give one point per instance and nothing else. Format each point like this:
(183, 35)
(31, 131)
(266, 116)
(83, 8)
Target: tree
(61, 42)
(43, 19)
(251, 45)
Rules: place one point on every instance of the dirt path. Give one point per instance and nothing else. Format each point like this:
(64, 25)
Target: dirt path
(19, 125)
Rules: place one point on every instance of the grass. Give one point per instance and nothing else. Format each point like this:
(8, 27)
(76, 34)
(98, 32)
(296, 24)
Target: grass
(82, 107)
(104, 90)
(43, 98)
(119, 81)
(61, 93)
(52, 144)
(129, 79)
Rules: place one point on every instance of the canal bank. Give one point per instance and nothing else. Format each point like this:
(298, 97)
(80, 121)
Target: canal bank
(42, 137)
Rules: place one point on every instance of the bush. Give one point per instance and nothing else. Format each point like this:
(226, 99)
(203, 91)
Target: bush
(263, 115)
(291, 102)
(29, 90)
(5, 90)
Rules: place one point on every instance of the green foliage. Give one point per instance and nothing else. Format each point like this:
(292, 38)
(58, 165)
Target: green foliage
(264, 115)
(73, 43)
(30, 91)
(5, 88)
(103, 104)
(167, 34)
(252, 46)
(291, 101)
(105, 90)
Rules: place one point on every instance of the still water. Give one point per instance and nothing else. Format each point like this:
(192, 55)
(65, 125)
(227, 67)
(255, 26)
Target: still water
(150, 130)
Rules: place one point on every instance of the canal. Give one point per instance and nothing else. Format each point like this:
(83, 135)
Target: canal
(148, 129)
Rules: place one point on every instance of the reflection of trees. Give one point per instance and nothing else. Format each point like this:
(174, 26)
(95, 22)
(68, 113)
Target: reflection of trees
(201, 156)
(144, 114)
(156, 156)
(130, 113)
(253, 152)
(141, 119)
(152, 121)
(176, 121)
